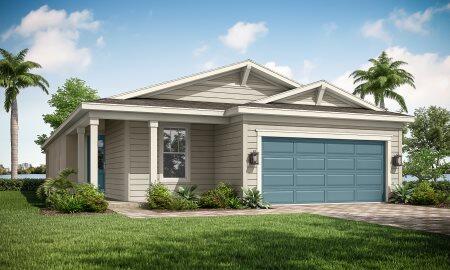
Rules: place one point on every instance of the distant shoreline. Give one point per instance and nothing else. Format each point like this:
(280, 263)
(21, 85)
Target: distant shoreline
(24, 176)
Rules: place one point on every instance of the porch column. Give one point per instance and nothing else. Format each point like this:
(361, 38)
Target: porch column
(81, 174)
(153, 151)
(93, 125)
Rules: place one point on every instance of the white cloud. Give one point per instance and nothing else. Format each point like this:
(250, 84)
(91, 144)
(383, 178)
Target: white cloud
(54, 36)
(283, 70)
(242, 34)
(100, 42)
(432, 79)
(376, 30)
(411, 23)
(209, 65)
(305, 72)
(200, 50)
(330, 27)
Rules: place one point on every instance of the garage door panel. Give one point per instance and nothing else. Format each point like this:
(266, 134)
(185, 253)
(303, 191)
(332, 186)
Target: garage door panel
(369, 179)
(340, 180)
(278, 147)
(310, 163)
(278, 180)
(310, 196)
(340, 164)
(368, 195)
(321, 170)
(278, 163)
(340, 148)
(369, 149)
(340, 195)
(369, 164)
(310, 147)
(279, 196)
(310, 180)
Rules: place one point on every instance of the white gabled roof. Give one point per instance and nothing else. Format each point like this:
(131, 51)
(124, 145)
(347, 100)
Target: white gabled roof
(261, 70)
(320, 84)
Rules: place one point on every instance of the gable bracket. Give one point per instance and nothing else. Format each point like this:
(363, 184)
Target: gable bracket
(320, 92)
(245, 74)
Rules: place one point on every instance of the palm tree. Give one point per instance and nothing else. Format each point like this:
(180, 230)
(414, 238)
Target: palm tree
(381, 80)
(14, 76)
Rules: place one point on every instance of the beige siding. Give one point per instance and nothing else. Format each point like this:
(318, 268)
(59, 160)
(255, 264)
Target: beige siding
(116, 185)
(139, 163)
(71, 155)
(229, 154)
(225, 89)
(252, 126)
(56, 155)
(202, 156)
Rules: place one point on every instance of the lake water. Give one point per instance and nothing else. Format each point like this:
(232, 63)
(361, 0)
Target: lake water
(24, 176)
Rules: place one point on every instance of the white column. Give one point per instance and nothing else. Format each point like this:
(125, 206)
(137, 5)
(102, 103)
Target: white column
(93, 125)
(153, 150)
(81, 174)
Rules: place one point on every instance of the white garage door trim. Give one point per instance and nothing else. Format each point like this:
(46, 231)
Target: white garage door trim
(326, 135)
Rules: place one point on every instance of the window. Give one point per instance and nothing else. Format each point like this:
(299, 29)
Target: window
(174, 153)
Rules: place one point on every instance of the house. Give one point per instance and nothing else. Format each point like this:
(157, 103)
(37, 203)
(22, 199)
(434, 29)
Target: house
(243, 124)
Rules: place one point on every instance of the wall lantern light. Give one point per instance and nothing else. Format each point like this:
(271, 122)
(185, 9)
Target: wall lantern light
(397, 160)
(253, 158)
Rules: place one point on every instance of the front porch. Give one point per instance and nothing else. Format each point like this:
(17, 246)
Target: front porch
(132, 154)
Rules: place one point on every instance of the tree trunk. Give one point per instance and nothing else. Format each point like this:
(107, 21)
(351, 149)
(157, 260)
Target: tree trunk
(14, 139)
(382, 103)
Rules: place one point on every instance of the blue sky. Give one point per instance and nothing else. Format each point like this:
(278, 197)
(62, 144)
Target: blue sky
(117, 47)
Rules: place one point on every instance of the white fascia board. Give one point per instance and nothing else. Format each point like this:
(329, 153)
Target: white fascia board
(318, 114)
(151, 109)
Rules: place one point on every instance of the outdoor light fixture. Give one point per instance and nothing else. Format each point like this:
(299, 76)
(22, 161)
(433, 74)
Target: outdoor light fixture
(397, 160)
(253, 158)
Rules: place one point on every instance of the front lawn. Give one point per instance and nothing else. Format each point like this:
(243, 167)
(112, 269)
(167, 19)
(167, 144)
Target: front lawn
(109, 241)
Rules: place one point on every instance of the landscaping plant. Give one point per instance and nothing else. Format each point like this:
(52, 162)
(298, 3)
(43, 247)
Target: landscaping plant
(221, 197)
(188, 192)
(253, 198)
(423, 194)
(401, 194)
(160, 197)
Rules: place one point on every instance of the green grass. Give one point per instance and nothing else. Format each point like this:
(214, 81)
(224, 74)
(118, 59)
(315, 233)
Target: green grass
(29, 240)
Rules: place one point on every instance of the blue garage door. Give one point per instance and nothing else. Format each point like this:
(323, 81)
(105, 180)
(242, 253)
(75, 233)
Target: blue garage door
(318, 171)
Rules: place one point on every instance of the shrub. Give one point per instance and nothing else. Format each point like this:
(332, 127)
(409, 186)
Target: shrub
(93, 200)
(20, 184)
(220, 197)
(159, 197)
(188, 193)
(179, 203)
(423, 194)
(441, 186)
(401, 194)
(65, 202)
(253, 198)
(235, 203)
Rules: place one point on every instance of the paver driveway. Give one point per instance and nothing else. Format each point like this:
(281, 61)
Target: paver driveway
(403, 216)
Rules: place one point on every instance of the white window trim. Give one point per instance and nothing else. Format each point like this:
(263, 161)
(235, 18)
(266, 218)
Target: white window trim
(325, 135)
(174, 180)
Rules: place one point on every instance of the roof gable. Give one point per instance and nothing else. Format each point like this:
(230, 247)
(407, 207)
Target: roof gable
(320, 92)
(247, 70)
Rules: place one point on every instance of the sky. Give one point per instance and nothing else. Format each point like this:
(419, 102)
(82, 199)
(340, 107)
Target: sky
(118, 46)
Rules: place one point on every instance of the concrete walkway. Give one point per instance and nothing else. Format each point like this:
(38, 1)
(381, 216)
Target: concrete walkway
(404, 216)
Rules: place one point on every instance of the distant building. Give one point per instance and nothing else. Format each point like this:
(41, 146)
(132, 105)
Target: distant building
(24, 166)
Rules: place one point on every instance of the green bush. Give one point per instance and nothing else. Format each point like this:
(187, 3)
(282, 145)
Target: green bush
(188, 192)
(401, 193)
(159, 197)
(423, 194)
(20, 184)
(65, 202)
(441, 186)
(220, 197)
(253, 198)
(93, 200)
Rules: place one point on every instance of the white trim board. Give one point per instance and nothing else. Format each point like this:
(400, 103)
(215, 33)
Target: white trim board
(324, 135)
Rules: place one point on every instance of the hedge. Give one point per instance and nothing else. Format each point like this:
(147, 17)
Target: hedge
(20, 184)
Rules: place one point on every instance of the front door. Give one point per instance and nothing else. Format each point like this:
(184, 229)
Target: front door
(101, 161)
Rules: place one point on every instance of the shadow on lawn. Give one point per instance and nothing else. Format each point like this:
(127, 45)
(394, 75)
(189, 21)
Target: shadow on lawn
(270, 249)
(32, 199)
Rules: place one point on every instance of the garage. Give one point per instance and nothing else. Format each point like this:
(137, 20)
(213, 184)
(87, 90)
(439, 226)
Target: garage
(301, 171)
